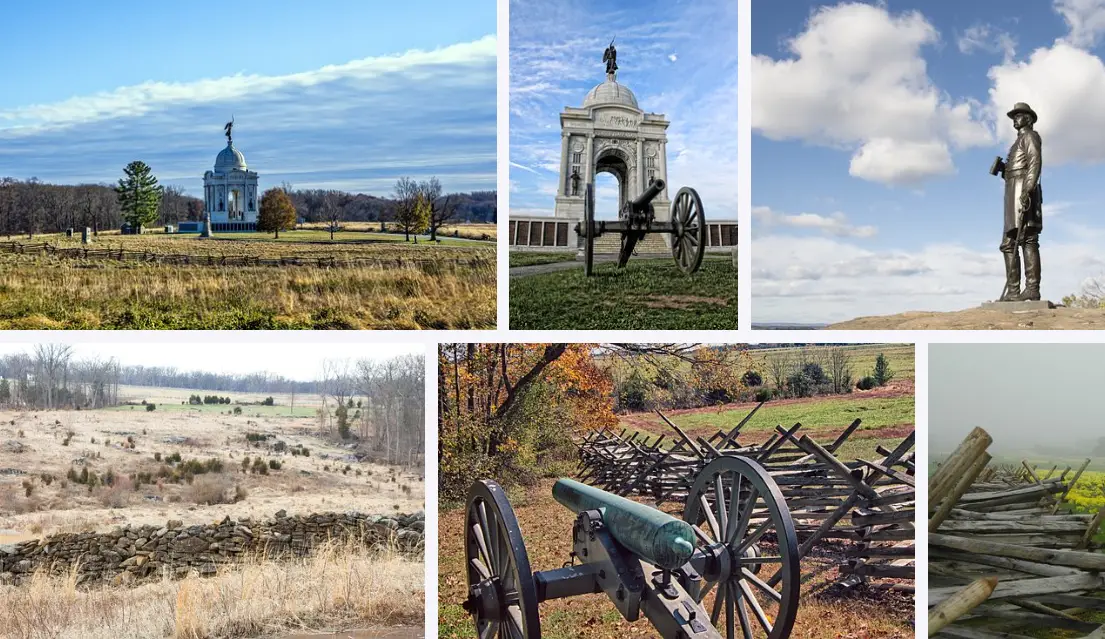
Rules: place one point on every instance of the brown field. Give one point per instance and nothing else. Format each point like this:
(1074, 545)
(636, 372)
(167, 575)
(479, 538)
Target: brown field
(434, 292)
(336, 588)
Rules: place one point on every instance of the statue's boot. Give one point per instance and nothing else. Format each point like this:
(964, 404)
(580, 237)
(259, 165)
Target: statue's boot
(1031, 273)
(1012, 277)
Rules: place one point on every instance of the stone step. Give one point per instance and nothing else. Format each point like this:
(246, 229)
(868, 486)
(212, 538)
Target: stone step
(652, 244)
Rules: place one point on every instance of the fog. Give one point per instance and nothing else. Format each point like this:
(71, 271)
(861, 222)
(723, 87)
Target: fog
(1029, 397)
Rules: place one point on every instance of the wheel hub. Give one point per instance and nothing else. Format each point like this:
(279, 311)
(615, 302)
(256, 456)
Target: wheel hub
(484, 600)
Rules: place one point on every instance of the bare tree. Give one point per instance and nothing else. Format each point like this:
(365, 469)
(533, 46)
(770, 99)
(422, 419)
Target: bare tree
(840, 367)
(779, 367)
(52, 362)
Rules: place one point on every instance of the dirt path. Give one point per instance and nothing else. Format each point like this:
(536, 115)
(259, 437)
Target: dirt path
(979, 319)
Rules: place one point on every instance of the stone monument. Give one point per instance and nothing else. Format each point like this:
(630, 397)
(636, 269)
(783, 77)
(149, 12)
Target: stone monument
(230, 190)
(206, 230)
(1023, 212)
(611, 134)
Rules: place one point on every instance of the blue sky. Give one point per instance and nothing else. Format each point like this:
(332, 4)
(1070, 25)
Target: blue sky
(327, 94)
(679, 58)
(874, 126)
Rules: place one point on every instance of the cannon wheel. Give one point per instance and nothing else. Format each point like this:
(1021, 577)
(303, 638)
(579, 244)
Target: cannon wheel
(735, 502)
(498, 566)
(688, 243)
(589, 227)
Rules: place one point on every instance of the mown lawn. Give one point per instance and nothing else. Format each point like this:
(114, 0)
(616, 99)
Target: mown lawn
(646, 295)
(831, 412)
(530, 258)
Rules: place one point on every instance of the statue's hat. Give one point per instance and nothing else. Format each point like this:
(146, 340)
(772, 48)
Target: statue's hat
(1022, 107)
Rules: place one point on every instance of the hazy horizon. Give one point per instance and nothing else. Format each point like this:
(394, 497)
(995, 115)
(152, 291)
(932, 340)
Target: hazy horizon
(1024, 395)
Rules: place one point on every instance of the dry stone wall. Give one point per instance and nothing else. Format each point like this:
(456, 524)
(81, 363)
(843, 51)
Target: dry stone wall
(134, 552)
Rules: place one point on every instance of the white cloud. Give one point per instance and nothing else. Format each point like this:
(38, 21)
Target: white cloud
(820, 279)
(148, 96)
(1066, 87)
(673, 57)
(857, 80)
(835, 224)
(988, 38)
(1085, 18)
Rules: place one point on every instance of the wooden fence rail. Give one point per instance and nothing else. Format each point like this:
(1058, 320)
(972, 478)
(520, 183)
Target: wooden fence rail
(21, 248)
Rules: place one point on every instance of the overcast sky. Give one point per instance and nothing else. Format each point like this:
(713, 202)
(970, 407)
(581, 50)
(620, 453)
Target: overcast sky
(293, 360)
(1019, 393)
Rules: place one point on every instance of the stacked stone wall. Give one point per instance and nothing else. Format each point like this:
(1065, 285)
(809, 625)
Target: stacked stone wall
(135, 552)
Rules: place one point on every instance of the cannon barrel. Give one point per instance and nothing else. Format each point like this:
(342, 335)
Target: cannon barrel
(649, 195)
(656, 537)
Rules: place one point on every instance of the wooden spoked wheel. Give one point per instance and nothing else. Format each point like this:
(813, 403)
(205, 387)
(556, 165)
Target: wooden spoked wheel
(688, 243)
(502, 597)
(742, 519)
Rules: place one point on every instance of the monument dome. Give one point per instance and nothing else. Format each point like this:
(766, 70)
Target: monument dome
(610, 92)
(230, 159)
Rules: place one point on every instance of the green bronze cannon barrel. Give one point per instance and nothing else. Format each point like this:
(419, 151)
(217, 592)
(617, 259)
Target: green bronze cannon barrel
(654, 189)
(656, 537)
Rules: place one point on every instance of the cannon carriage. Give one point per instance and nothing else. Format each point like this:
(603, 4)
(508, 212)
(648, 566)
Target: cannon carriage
(730, 566)
(687, 226)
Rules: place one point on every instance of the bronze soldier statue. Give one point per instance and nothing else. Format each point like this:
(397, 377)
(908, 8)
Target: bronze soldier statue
(1023, 207)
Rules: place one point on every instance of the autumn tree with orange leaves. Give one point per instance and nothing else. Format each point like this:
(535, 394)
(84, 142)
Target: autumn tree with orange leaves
(510, 411)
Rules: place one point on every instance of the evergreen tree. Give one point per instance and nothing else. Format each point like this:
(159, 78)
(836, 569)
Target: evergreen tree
(139, 195)
(882, 373)
(5, 392)
(277, 212)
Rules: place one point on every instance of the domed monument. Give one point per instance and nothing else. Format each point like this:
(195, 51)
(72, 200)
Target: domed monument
(611, 134)
(230, 191)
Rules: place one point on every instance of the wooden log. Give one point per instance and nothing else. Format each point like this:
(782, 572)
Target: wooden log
(878, 570)
(1091, 530)
(1008, 526)
(958, 490)
(945, 477)
(1019, 565)
(1022, 588)
(1074, 481)
(960, 603)
(1071, 558)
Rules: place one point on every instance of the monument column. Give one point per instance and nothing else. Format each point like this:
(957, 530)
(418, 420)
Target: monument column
(664, 165)
(640, 186)
(562, 190)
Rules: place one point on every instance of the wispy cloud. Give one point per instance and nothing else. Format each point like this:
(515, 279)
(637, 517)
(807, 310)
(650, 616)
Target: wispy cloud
(356, 126)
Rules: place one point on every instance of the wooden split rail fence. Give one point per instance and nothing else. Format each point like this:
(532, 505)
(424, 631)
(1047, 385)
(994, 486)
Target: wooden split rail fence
(1007, 557)
(870, 503)
(22, 248)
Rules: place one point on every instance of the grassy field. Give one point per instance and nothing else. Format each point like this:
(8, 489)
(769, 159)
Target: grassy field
(531, 258)
(430, 291)
(900, 356)
(647, 294)
(473, 231)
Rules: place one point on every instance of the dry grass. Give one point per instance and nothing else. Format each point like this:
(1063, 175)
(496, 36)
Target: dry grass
(340, 586)
(41, 292)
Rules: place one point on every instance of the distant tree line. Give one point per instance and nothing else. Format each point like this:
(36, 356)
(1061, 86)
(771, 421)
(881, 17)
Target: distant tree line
(31, 207)
(49, 377)
(172, 377)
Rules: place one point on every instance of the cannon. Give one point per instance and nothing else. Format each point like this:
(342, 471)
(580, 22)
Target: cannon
(638, 218)
(730, 565)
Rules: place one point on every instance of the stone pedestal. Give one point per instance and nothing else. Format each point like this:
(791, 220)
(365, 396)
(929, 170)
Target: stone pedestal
(206, 232)
(1012, 307)
(86, 236)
